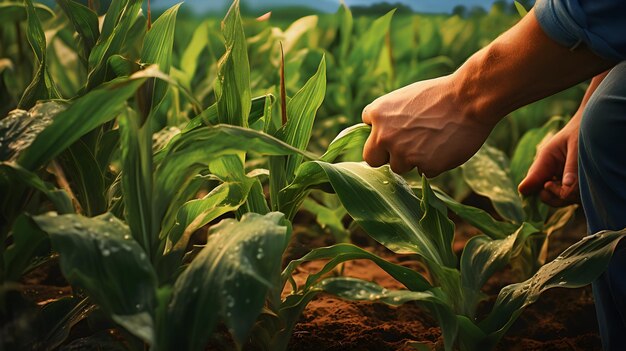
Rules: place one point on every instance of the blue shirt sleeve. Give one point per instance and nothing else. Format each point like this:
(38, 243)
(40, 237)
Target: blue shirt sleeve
(599, 24)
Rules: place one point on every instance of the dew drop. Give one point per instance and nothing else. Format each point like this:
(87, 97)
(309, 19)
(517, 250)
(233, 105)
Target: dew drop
(385, 182)
(127, 237)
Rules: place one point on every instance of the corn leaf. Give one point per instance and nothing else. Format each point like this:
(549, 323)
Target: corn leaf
(232, 87)
(475, 216)
(136, 147)
(488, 174)
(228, 281)
(85, 23)
(351, 138)
(41, 87)
(340, 253)
(483, 256)
(157, 49)
(117, 23)
(85, 114)
(98, 254)
(521, 10)
(16, 11)
(301, 110)
(191, 55)
(193, 151)
(59, 198)
(380, 201)
(367, 49)
(525, 151)
(28, 242)
(195, 214)
(577, 266)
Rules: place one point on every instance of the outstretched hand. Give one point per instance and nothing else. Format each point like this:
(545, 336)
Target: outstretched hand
(554, 173)
(427, 125)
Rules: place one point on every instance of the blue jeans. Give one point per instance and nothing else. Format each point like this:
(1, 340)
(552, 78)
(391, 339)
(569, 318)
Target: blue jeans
(602, 175)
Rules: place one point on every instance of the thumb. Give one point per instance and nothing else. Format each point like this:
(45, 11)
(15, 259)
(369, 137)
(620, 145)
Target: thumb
(539, 172)
(570, 174)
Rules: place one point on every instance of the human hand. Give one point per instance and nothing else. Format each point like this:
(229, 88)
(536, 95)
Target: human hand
(428, 125)
(554, 173)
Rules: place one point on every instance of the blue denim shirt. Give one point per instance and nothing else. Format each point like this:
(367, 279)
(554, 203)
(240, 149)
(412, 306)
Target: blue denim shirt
(599, 24)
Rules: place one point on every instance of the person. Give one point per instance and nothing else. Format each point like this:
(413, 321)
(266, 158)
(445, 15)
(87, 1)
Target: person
(438, 124)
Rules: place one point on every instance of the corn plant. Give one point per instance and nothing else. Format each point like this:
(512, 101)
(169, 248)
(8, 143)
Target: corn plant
(407, 222)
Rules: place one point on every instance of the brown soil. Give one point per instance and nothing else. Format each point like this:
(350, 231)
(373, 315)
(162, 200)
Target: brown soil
(562, 319)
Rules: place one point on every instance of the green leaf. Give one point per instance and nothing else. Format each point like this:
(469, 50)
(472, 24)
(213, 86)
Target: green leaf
(28, 241)
(19, 128)
(436, 222)
(346, 252)
(487, 173)
(117, 23)
(328, 218)
(368, 47)
(191, 55)
(80, 165)
(351, 138)
(475, 216)
(577, 266)
(157, 49)
(232, 86)
(85, 23)
(301, 110)
(98, 254)
(17, 11)
(483, 256)
(193, 151)
(526, 148)
(41, 87)
(380, 201)
(137, 169)
(86, 113)
(195, 214)
(228, 280)
(60, 198)
(346, 23)
(520, 9)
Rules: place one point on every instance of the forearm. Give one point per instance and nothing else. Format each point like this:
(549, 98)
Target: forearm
(519, 67)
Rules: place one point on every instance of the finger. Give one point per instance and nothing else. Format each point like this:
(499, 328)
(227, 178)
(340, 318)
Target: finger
(540, 171)
(373, 153)
(555, 188)
(549, 198)
(570, 173)
(399, 165)
(366, 115)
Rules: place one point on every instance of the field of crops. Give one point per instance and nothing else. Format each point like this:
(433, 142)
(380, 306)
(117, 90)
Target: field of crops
(170, 182)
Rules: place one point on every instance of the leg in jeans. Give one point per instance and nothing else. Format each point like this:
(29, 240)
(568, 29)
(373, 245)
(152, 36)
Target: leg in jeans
(602, 174)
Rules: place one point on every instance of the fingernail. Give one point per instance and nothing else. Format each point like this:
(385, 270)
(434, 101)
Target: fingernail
(569, 179)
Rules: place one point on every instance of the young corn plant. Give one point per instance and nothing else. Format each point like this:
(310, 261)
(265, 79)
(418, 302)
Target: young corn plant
(416, 223)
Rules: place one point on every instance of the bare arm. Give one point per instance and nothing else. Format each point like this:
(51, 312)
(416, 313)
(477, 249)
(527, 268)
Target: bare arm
(521, 66)
(438, 124)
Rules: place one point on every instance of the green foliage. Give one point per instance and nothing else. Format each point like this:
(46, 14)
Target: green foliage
(159, 137)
